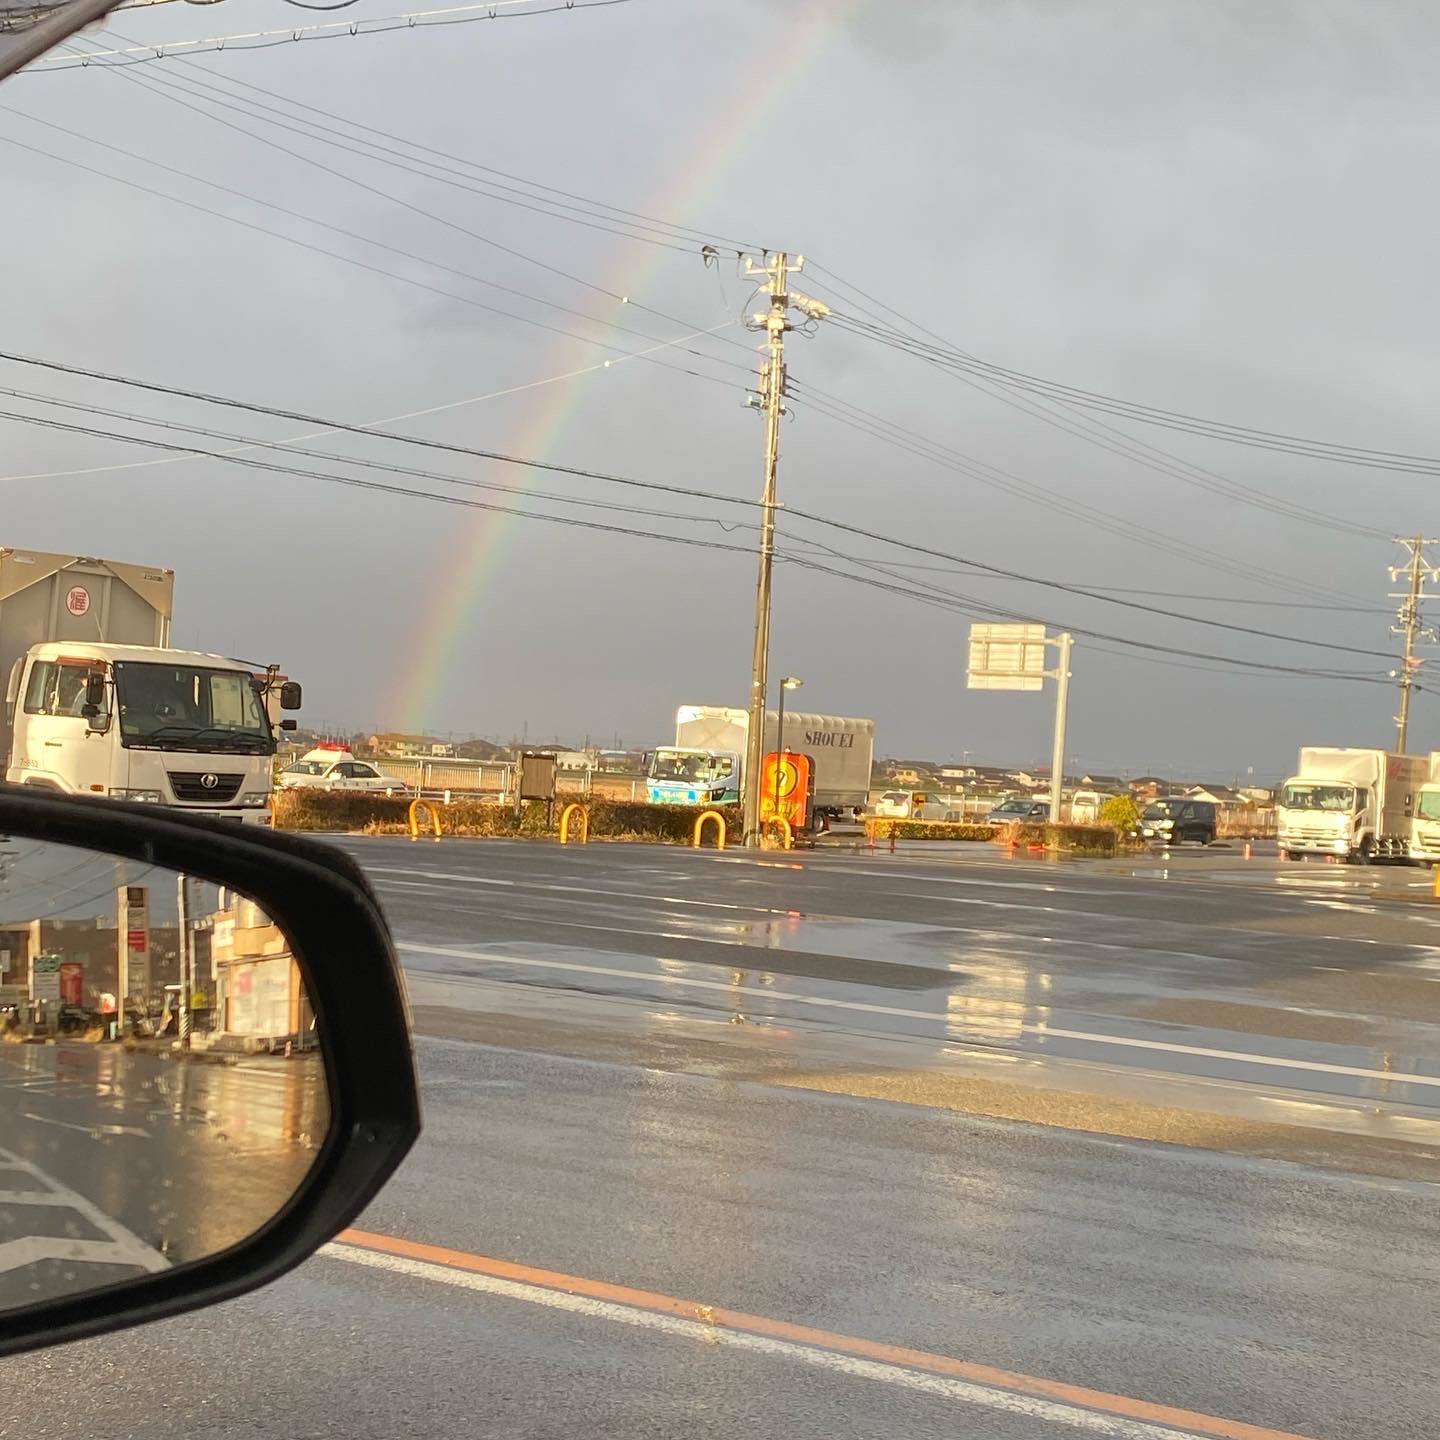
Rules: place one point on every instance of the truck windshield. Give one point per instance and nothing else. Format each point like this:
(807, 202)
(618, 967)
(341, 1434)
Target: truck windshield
(689, 769)
(187, 707)
(1319, 797)
(1430, 805)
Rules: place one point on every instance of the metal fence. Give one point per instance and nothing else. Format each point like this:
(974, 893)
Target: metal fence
(495, 779)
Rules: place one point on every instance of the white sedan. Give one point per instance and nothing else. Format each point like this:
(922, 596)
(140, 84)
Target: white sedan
(333, 770)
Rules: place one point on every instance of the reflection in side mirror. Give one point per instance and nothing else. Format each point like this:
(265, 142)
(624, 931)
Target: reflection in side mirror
(166, 1082)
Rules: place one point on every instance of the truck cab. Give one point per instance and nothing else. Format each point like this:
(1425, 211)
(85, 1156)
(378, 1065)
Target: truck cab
(1425, 833)
(169, 727)
(1325, 817)
(680, 775)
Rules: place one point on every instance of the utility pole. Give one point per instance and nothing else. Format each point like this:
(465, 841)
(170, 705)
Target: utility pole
(771, 399)
(1409, 623)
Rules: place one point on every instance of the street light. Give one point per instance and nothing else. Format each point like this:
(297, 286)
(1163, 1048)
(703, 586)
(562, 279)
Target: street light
(788, 683)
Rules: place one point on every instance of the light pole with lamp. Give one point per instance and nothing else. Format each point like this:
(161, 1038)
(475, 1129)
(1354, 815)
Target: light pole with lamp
(788, 683)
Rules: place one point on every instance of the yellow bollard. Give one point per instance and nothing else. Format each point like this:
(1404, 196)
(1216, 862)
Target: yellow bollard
(565, 815)
(786, 836)
(1437, 882)
(719, 820)
(430, 810)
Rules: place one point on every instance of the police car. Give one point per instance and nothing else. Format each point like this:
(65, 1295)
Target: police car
(333, 767)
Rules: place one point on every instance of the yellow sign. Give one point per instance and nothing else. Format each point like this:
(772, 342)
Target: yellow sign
(785, 788)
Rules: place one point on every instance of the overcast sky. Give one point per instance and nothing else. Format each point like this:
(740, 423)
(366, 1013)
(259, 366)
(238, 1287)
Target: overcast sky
(1222, 209)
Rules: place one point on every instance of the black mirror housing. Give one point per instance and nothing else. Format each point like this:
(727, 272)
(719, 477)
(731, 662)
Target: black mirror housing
(290, 695)
(289, 724)
(341, 943)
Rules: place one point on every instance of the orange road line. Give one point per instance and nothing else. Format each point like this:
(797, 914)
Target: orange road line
(1058, 1390)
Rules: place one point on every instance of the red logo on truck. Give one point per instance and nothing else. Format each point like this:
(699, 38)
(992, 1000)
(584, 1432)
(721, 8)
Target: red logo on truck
(77, 602)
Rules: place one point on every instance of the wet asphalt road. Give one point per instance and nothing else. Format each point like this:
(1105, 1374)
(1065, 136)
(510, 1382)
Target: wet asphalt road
(115, 1163)
(594, 1110)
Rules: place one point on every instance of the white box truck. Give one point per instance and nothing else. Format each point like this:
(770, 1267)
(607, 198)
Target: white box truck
(96, 703)
(706, 764)
(1357, 804)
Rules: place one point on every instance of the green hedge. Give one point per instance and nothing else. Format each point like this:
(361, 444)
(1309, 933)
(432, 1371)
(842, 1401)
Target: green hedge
(1069, 839)
(384, 815)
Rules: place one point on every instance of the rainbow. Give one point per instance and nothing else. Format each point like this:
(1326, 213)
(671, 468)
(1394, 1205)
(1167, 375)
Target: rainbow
(446, 616)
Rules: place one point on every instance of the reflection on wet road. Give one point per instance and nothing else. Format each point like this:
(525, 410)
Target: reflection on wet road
(113, 1162)
(651, 1083)
(1292, 993)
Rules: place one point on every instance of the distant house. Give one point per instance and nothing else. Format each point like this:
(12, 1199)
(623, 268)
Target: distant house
(1149, 787)
(910, 775)
(1257, 794)
(477, 749)
(393, 743)
(1217, 795)
(1106, 784)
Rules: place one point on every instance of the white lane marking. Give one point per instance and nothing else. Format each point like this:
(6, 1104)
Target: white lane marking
(578, 890)
(124, 1247)
(1027, 946)
(92, 1130)
(968, 1392)
(30, 1248)
(1007, 1028)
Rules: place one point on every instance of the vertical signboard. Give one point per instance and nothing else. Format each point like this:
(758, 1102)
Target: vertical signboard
(785, 788)
(45, 978)
(134, 942)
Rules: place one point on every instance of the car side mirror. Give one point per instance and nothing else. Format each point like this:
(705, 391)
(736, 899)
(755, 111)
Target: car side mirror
(247, 972)
(290, 695)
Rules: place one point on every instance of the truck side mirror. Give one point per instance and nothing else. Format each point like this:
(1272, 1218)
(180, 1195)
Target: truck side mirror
(289, 724)
(290, 695)
(94, 690)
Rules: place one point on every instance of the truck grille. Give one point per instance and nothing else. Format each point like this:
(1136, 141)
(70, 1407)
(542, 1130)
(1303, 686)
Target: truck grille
(190, 785)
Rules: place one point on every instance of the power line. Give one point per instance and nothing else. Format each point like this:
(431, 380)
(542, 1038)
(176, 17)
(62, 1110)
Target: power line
(857, 418)
(581, 203)
(173, 88)
(1255, 437)
(371, 427)
(331, 30)
(290, 448)
(986, 607)
(1129, 448)
(366, 239)
(359, 264)
(1122, 442)
(520, 186)
(368, 431)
